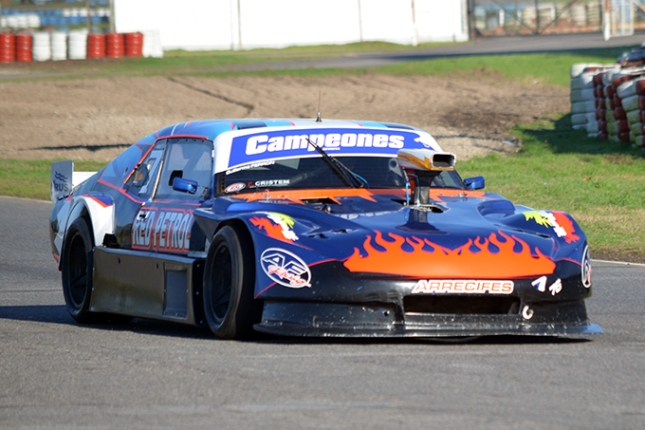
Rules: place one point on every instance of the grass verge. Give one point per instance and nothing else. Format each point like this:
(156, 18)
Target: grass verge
(30, 178)
(600, 183)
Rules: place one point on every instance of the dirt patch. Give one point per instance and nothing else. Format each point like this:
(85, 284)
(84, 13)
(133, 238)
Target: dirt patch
(98, 118)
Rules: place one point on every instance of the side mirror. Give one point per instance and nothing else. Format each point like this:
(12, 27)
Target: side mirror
(184, 185)
(475, 183)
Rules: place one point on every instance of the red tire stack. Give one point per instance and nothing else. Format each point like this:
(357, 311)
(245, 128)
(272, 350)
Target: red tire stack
(7, 48)
(115, 46)
(23, 48)
(96, 46)
(601, 106)
(134, 45)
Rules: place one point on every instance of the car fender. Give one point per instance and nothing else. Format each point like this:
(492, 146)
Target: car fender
(99, 208)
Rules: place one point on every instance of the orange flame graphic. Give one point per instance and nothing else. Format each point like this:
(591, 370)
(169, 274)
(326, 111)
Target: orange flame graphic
(272, 230)
(566, 223)
(442, 262)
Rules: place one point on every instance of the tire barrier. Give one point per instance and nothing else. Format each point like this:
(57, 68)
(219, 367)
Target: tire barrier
(7, 48)
(618, 99)
(77, 45)
(584, 100)
(23, 48)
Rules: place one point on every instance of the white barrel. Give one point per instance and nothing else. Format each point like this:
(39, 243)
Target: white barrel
(33, 20)
(152, 44)
(583, 107)
(592, 126)
(77, 45)
(41, 49)
(594, 14)
(636, 127)
(582, 95)
(21, 21)
(583, 81)
(578, 68)
(579, 119)
(630, 103)
(633, 116)
(578, 14)
(626, 89)
(59, 46)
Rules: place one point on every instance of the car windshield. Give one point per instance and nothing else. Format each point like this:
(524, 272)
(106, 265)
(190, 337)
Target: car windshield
(315, 172)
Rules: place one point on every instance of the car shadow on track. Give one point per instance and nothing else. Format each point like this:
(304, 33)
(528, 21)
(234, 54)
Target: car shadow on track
(57, 314)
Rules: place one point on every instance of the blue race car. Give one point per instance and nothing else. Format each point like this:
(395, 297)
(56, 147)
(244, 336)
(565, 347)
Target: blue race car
(311, 228)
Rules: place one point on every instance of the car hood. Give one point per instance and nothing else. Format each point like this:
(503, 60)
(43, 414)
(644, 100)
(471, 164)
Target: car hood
(461, 234)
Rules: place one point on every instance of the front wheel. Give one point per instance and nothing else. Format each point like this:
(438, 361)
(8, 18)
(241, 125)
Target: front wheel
(229, 279)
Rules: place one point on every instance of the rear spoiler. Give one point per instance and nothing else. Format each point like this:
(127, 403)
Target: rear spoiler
(63, 179)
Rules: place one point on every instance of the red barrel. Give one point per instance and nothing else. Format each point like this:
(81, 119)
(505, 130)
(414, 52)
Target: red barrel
(134, 45)
(115, 46)
(23, 48)
(95, 45)
(7, 48)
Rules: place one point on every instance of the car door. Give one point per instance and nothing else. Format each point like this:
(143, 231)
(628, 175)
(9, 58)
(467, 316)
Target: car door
(164, 222)
(151, 270)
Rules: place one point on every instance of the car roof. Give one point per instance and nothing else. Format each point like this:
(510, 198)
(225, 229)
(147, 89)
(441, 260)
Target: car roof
(242, 141)
(212, 128)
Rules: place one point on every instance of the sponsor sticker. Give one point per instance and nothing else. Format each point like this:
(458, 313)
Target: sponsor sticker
(295, 143)
(162, 230)
(234, 188)
(463, 286)
(270, 183)
(285, 268)
(558, 221)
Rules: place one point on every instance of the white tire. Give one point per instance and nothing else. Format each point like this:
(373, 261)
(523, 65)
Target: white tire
(582, 95)
(584, 81)
(583, 107)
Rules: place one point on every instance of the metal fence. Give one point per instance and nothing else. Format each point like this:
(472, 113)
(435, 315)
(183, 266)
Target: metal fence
(513, 17)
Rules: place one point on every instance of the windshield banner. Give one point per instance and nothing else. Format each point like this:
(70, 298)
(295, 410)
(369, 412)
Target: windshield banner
(289, 143)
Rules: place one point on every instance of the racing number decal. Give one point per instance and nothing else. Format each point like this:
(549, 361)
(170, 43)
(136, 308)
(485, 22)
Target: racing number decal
(162, 230)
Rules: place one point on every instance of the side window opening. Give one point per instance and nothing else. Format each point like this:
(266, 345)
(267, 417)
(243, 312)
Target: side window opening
(189, 159)
(143, 180)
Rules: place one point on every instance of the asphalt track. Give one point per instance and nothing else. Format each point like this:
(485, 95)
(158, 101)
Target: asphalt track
(152, 375)
(486, 46)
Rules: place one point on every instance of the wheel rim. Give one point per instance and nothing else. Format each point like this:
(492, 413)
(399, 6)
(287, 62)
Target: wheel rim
(77, 263)
(221, 283)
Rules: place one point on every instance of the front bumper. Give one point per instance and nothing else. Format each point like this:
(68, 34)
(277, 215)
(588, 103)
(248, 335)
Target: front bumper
(320, 319)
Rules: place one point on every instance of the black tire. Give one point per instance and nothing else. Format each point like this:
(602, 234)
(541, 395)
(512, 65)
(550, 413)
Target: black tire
(77, 266)
(229, 280)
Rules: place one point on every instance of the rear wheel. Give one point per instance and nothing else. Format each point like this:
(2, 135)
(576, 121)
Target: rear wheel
(77, 270)
(229, 279)
(77, 267)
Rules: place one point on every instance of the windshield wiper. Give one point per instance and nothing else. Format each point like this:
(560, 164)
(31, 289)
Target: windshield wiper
(344, 172)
